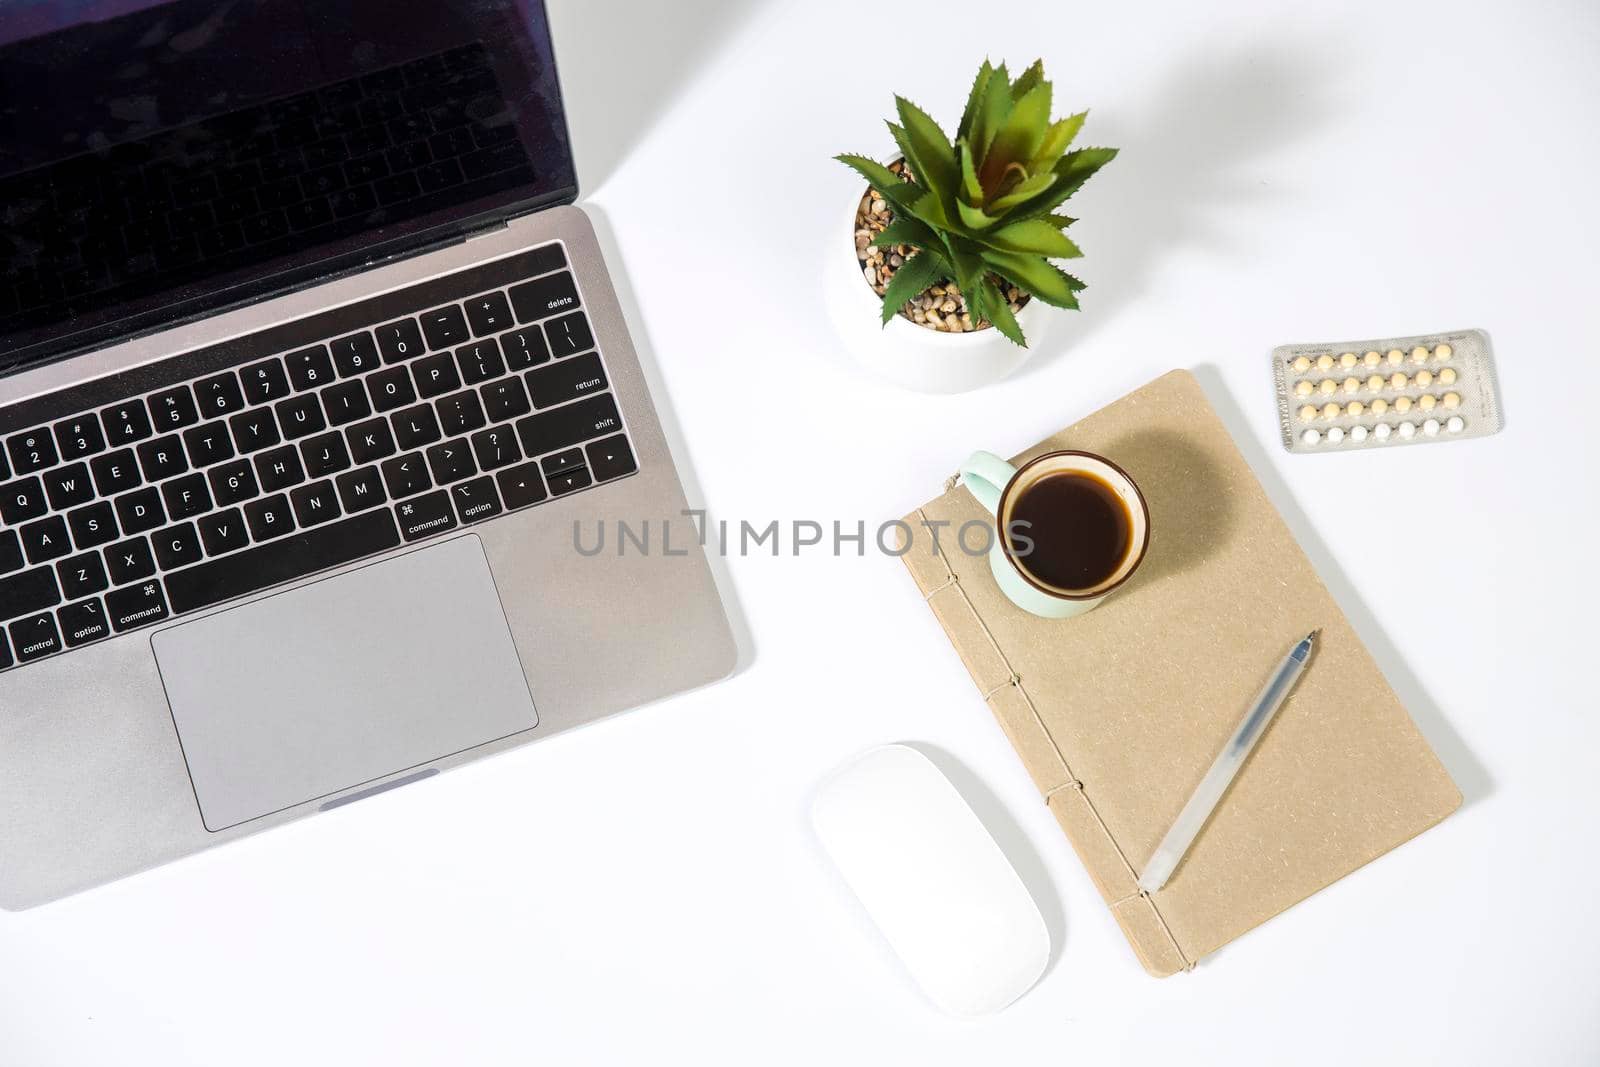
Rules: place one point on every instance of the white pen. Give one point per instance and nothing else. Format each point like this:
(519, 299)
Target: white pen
(1206, 795)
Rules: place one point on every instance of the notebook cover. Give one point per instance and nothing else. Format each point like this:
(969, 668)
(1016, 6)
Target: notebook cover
(1117, 714)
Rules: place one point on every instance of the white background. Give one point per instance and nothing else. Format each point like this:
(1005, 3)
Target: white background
(648, 890)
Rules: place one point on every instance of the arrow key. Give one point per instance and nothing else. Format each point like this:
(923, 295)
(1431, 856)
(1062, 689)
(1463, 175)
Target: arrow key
(611, 458)
(521, 486)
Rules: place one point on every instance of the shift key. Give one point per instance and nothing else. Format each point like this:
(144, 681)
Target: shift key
(592, 417)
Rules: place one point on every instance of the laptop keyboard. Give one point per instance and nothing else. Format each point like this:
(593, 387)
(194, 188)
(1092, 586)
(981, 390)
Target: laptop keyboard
(218, 473)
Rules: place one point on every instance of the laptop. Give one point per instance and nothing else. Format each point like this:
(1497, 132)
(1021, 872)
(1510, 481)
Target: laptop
(320, 425)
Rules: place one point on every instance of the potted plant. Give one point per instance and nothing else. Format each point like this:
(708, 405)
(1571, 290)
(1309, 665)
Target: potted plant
(953, 242)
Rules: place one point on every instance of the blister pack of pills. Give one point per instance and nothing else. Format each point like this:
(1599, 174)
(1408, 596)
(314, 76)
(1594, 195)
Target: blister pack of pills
(1384, 393)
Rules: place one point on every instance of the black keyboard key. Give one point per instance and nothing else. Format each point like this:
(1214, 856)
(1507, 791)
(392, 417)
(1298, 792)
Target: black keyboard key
(346, 402)
(569, 334)
(480, 361)
(315, 504)
(69, 486)
(310, 367)
(426, 516)
(436, 375)
(163, 458)
(35, 637)
(10, 551)
(136, 606)
(80, 437)
(370, 441)
(391, 389)
(570, 482)
(233, 482)
(129, 561)
(355, 354)
(611, 458)
(31, 451)
(592, 417)
(82, 575)
(176, 546)
(324, 454)
(219, 395)
(269, 517)
(94, 525)
(208, 443)
(5, 652)
(115, 472)
(27, 592)
(495, 447)
(460, 412)
(223, 531)
(543, 297)
(476, 500)
(488, 314)
(83, 622)
(140, 510)
(301, 415)
(279, 469)
(521, 485)
(406, 475)
(415, 427)
(567, 380)
(561, 462)
(361, 489)
(524, 348)
(280, 561)
(46, 539)
(186, 497)
(126, 423)
(451, 461)
(173, 409)
(400, 341)
(265, 382)
(444, 327)
(505, 400)
(254, 430)
(22, 500)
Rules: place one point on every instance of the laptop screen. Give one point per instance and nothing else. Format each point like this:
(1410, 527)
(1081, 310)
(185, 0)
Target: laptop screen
(159, 161)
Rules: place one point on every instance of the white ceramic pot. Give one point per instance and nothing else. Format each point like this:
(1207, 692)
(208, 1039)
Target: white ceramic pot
(929, 361)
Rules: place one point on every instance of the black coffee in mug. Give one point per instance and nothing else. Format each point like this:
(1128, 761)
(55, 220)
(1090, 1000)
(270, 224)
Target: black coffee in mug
(1079, 525)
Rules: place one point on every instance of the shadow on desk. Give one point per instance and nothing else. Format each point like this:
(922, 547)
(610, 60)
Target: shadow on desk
(1470, 775)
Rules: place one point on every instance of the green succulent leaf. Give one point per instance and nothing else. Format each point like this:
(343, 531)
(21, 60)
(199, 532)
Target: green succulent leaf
(1034, 275)
(974, 101)
(1056, 141)
(971, 191)
(1033, 237)
(931, 209)
(889, 184)
(1023, 192)
(1017, 141)
(974, 218)
(905, 231)
(929, 152)
(991, 114)
(1029, 78)
(997, 309)
(1072, 171)
(914, 275)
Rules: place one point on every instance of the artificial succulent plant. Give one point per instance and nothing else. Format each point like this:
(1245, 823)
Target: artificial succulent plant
(985, 206)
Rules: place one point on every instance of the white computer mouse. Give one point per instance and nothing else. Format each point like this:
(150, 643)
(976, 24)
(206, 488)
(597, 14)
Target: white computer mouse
(938, 887)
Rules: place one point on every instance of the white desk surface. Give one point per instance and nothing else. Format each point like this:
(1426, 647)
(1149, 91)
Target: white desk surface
(648, 890)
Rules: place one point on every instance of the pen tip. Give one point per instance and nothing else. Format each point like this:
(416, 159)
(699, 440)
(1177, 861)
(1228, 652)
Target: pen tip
(1314, 635)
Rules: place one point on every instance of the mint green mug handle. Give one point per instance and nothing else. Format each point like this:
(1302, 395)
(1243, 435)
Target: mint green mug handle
(986, 475)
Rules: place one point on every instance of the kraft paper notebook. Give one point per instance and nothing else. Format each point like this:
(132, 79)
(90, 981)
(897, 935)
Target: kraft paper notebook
(1117, 714)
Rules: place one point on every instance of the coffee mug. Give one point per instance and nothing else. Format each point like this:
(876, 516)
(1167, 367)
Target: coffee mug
(1070, 528)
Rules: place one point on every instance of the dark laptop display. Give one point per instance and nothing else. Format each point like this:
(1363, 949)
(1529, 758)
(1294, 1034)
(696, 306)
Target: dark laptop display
(160, 161)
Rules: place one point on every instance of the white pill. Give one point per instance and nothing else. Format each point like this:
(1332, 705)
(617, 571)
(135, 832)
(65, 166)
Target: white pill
(1452, 400)
(1335, 435)
(1408, 430)
(1379, 406)
(1381, 431)
(1447, 376)
(1419, 355)
(1456, 424)
(1402, 404)
(1431, 427)
(1372, 359)
(1424, 378)
(1301, 364)
(1311, 437)
(1396, 357)
(1308, 413)
(1324, 362)
(1358, 434)
(1347, 360)
(1443, 352)
(1303, 388)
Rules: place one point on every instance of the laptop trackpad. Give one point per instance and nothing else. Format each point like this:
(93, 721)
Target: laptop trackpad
(330, 686)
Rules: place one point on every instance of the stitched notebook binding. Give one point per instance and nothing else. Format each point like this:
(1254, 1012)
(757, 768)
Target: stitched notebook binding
(1071, 790)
